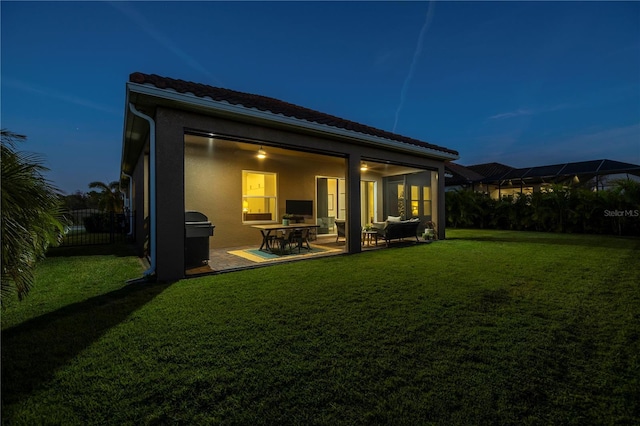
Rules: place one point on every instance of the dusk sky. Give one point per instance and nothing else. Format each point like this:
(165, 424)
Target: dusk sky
(518, 83)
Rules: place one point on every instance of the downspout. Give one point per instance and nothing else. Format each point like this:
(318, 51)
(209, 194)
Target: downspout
(152, 187)
(129, 203)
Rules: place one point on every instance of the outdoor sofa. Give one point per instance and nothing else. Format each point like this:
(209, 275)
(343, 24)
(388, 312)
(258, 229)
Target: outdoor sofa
(395, 229)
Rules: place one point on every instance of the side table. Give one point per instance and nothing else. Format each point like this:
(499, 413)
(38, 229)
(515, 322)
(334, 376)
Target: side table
(367, 235)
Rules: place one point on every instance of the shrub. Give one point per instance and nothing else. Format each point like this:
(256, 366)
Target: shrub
(98, 222)
(558, 209)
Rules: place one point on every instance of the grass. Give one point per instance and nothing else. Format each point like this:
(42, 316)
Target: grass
(487, 327)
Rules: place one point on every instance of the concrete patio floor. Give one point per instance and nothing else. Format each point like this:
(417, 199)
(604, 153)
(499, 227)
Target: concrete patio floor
(220, 260)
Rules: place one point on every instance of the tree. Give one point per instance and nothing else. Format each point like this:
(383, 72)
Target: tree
(463, 209)
(628, 190)
(110, 199)
(76, 201)
(32, 215)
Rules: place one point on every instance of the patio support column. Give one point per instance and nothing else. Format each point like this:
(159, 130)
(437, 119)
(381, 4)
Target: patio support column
(170, 197)
(354, 227)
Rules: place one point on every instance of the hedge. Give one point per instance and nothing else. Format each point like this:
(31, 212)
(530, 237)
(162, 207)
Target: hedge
(614, 211)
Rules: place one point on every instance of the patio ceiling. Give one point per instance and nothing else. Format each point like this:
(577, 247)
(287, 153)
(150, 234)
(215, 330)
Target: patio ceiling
(276, 153)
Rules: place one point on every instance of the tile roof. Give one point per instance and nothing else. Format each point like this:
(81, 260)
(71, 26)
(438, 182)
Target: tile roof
(275, 106)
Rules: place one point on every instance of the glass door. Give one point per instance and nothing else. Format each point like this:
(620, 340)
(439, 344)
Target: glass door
(419, 196)
(367, 202)
(409, 196)
(394, 198)
(331, 203)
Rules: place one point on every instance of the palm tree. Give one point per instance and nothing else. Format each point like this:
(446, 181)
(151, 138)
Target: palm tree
(32, 215)
(110, 197)
(628, 190)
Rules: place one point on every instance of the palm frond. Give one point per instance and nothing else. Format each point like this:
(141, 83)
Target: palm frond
(32, 217)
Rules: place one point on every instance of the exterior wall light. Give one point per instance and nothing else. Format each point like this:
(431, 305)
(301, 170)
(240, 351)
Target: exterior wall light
(261, 153)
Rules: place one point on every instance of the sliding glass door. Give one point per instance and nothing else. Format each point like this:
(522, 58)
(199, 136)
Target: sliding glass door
(419, 196)
(367, 202)
(331, 203)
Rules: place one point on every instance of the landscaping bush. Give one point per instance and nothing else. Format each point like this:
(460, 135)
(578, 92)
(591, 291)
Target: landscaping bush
(98, 222)
(558, 209)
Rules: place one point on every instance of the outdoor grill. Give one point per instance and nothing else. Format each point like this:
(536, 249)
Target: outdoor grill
(197, 230)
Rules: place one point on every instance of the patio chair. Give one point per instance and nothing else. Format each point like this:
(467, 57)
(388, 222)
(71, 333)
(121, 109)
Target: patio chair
(331, 222)
(281, 239)
(299, 238)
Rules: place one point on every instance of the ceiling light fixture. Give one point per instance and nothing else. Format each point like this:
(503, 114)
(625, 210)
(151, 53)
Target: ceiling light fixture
(363, 167)
(261, 153)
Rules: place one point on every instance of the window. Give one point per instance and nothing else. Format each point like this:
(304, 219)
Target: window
(420, 200)
(259, 196)
(415, 200)
(426, 201)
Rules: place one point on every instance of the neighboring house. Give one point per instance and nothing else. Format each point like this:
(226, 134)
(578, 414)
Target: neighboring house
(460, 177)
(190, 146)
(499, 180)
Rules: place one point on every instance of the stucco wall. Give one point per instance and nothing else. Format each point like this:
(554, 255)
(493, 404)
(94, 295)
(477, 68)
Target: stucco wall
(213, 185)
(140, 201)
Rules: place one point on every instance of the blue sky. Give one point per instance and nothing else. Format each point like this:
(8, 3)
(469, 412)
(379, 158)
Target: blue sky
(522, 83)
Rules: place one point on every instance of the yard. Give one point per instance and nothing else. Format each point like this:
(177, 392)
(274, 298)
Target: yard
(486, 327)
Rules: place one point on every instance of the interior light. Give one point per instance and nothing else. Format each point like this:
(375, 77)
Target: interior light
(363, 167)
(261, 153)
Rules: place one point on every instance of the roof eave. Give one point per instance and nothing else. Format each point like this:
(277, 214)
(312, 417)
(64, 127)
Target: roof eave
(237, 111)
(134, 135)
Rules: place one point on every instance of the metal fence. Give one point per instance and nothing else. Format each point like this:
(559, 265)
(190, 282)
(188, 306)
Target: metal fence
(90, 226)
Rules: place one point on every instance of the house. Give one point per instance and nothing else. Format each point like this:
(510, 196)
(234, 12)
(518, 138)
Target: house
(500, 180)
(244, 160)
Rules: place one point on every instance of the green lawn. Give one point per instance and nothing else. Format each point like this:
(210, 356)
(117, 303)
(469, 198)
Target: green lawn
(487, 327)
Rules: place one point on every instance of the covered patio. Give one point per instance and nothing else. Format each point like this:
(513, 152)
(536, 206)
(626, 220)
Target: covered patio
(246, 161)
(222, 260)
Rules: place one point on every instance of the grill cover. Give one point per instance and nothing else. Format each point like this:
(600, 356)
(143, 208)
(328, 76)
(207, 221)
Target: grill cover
(197, 230)
(192, 216)
(196, 225)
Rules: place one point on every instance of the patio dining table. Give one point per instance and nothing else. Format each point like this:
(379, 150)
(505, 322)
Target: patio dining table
(268, 231)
